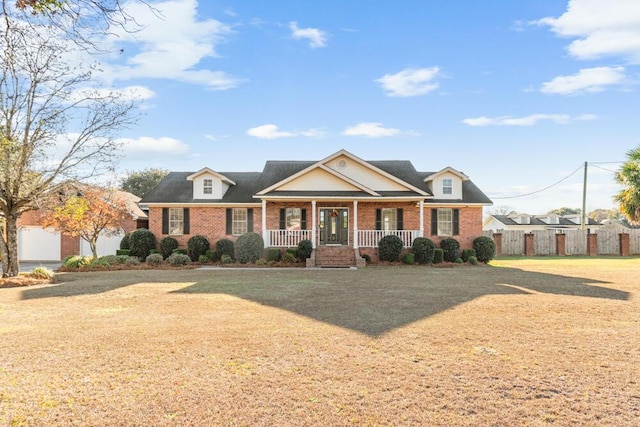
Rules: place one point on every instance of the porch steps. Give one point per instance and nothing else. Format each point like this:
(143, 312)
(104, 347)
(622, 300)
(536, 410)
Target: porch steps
(335, 256)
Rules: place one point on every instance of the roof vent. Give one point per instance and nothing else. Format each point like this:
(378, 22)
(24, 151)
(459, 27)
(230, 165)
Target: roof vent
(342, 164)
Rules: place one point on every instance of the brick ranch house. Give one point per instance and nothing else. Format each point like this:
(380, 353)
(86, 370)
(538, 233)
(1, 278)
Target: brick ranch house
(343, 204)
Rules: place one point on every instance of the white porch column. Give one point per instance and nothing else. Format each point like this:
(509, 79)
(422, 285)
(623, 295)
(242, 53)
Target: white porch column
(355, 224)
(265, 232)
(313, 223)
(421, 218)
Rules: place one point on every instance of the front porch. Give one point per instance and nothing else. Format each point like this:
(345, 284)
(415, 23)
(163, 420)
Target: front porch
(361, 238)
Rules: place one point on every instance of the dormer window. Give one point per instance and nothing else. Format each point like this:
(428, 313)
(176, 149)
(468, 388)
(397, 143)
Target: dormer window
(207, 186)
(447, 186)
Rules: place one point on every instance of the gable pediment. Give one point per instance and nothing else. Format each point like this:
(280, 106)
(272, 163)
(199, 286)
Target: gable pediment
(343, 171)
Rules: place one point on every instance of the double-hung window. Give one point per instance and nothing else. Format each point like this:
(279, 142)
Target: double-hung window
(239, 221)
(293, 219)
(445, 222)
(207, 186)
(389, 219)
(176, 221)
(447, 186)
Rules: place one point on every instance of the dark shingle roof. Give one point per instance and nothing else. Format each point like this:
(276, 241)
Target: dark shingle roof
(537, 221)
(175, 188)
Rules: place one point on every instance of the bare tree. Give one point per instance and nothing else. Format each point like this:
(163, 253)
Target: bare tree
(54, 124)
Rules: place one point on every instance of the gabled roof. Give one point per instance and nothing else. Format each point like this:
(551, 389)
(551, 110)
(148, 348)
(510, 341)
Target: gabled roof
(322, 165)
(210, 172)
(176, 188)
(448, 169)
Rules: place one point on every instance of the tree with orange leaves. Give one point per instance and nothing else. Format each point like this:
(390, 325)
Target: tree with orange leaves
(89, 213)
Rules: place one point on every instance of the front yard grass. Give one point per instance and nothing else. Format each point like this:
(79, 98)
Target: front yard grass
(520, 342)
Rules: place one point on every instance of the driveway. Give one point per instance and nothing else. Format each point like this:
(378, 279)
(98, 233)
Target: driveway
(28, 266)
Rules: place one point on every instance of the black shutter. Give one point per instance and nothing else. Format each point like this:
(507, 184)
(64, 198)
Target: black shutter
(185, 221)
(250, 220)
(165, 220)
(229, 221)
(303, 219)
(283, 220)
(399, 220)
(434, 222)
(456, 222)
(378, 219)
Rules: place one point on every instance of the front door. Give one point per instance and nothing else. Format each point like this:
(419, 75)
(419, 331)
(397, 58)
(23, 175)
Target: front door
(334, 226)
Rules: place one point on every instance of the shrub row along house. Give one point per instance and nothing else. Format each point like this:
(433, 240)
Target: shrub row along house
(343, 204)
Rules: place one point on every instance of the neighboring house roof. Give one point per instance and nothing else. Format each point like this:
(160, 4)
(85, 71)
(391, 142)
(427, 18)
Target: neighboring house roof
(562, 222)
(249, 187)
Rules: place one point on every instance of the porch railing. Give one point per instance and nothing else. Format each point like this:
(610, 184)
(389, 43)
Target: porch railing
(371, 238)
(366, 238)
(286, 238)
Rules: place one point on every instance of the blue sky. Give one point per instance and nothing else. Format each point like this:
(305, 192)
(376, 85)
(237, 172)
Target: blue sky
(516, 94)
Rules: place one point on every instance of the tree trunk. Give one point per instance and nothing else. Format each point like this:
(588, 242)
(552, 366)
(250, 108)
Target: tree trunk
(10, 264)
(93, 244)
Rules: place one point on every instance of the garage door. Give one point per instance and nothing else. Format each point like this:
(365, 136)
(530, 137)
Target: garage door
(106, 245)
(38, 244)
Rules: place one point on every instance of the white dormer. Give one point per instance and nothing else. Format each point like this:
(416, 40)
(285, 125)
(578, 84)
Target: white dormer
(574, 218)
(209, 184)
(446, 184)
(522, 219)
(551, 219)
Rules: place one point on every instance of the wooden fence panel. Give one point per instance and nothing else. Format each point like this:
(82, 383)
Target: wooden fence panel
(634, 242)
(608, 242)
(512, 242)
(544, 242)
(576, 242)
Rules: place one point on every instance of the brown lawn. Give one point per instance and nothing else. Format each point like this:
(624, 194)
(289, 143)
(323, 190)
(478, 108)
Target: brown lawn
(523, 342)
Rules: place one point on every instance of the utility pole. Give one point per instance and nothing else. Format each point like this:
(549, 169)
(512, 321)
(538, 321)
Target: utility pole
(584, 198)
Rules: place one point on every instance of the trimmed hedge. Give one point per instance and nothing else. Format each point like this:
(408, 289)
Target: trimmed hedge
(249, 248)
(438, 256)
(167, 245)
(273, 254)
(466, 253)
(178, 259)
(154, 259)
(389, 248)
(451, 249)
(225, 247)
(141, 241)
(124, 243)
(485, 248)
(408, 258)
(197, 245)
(423, 250)
(305, 247)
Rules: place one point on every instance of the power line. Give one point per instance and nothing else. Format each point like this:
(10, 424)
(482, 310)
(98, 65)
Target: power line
(599, 167)
(542, 189)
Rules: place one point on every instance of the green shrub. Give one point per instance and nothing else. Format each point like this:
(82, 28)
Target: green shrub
(181, 251)
(423, 250)
(438, 256)
(132, 260)
(177, 260)
(196, 246)
(109, 259)
(485, 248)
(305, 247)
(292, 251)
(289, 258)
(466, 253)
(167, 245)
(389, 248)
(273, 254)
(100, 262)
(121, 259)
(42, 273)
(451, 249)
(154, 259)
(261, 261)
(472, 260)
(458, 261)
(76, 261)
(124, 243)
(141, 241)
(225, 247)
(408, 258)
(226, 259)
(213, 256)
(203, 259)
(124, 252)
(249, 248)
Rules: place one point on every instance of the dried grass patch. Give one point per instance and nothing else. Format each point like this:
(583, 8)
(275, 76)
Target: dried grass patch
(515, 345)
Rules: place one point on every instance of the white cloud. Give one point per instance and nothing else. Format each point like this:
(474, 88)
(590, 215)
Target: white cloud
(171, 43)
(587, 80)
(317, 38)
(370, 130)
(271, 131)
(602, 28)
(145, 145)
(527, 120)
(410, 82)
